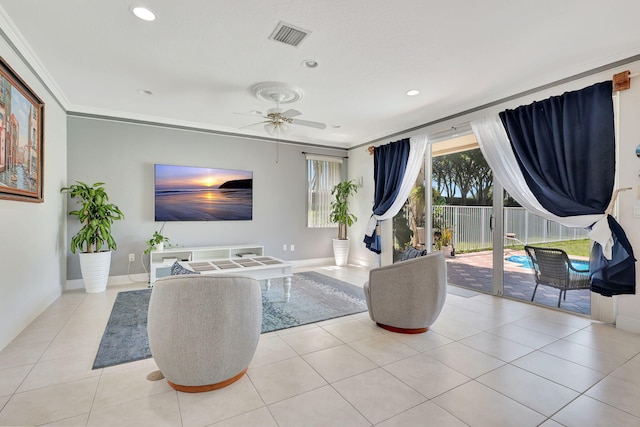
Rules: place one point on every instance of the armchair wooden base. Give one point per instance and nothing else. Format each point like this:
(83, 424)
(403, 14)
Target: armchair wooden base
(402, 330)
(208, 387)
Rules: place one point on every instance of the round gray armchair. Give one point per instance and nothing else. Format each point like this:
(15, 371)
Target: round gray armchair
(204, 330)
(407, 296)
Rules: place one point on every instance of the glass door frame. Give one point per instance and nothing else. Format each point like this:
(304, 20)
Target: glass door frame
(497, 229)
(496, 221)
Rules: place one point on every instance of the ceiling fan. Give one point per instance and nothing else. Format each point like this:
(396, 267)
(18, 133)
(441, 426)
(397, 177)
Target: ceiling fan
(277, 120)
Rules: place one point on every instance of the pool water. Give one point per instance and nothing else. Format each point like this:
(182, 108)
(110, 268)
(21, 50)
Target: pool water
(525, 262)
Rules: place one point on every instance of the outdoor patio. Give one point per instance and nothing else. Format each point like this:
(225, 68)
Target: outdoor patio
(475, 271)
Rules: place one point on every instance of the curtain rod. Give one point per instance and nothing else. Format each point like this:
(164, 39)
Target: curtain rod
(325, 155)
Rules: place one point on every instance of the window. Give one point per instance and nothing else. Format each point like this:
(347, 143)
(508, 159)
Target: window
(323, 173)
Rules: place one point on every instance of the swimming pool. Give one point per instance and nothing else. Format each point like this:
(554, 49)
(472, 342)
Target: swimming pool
(525, 262)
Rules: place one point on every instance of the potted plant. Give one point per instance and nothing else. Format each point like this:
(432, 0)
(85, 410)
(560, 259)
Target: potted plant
(157, 241)
(446, 241)
(416, 206)
(340, 215)
(93, 241)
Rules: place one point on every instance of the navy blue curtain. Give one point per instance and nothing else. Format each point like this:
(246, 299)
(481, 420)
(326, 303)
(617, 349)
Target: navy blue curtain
(614, 276)
(565, 147)
(389, 164)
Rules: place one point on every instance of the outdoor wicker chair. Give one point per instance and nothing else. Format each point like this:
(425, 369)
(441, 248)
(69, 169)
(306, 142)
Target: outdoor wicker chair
(552, 267)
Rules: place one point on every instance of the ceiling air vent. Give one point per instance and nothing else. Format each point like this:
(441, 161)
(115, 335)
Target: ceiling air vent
(288, 34)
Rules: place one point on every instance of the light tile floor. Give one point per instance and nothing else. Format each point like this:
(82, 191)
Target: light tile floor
(487, 361)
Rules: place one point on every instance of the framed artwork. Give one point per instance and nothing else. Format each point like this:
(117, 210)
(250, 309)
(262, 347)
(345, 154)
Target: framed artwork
(21, 138)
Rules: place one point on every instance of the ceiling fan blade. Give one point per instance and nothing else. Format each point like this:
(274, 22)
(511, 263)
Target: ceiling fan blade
(291, 113)
(250, 114)
(316, 125)
(254, 124)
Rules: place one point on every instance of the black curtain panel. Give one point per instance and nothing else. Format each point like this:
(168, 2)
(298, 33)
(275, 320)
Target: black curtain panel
(565, 147)
(618, 275)
(389, 165)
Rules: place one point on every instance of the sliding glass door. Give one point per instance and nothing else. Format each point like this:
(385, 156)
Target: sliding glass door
(481, 230)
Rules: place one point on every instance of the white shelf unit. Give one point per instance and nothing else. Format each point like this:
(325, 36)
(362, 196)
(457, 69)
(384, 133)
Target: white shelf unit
(161, 261)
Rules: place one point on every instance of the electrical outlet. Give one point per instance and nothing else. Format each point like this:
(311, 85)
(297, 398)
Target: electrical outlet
(284, 247)
(292, 247)
(132, 257)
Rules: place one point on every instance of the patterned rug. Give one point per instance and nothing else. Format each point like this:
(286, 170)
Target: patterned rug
(314, 297)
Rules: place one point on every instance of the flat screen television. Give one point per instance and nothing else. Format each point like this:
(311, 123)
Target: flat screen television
(187, 193)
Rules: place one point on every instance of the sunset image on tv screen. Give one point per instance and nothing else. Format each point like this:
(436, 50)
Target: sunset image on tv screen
(186, 193)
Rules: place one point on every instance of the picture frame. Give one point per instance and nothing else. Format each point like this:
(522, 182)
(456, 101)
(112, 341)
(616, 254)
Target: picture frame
(21, 139)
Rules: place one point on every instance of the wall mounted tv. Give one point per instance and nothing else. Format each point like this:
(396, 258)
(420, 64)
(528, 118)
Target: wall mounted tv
(185, 193)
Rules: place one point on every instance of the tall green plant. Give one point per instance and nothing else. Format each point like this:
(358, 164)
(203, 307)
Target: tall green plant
(416, 200)
(95, 214)
(340, 207)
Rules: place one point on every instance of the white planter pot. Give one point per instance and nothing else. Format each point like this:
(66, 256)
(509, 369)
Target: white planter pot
(158, 246)
(95, 271)
(341, 251)
(446, 250)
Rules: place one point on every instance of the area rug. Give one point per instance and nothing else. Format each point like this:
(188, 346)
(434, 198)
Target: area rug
(314, 297)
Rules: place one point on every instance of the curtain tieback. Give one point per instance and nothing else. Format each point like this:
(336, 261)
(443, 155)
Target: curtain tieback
(601, 233)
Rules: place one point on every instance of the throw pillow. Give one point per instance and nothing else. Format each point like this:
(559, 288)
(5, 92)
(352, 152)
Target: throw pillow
(412, 252)
(176, 269)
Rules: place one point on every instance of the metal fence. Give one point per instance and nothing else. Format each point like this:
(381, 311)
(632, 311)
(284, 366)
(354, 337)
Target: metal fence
(471, 230)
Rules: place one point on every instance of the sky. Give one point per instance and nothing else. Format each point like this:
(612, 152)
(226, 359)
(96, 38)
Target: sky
(187, 177)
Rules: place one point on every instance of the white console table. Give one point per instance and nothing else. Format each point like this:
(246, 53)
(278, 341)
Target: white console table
(161, 261)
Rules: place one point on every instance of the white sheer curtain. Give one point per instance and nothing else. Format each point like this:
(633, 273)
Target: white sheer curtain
(323, 173)
(417, 148)
(495, 146)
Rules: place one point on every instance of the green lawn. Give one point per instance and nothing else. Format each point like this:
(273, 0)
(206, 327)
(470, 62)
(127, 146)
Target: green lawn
(580, 247)
(572, 247)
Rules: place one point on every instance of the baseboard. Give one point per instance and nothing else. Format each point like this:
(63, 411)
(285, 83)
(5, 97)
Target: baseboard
(142, 278)
(629, 324)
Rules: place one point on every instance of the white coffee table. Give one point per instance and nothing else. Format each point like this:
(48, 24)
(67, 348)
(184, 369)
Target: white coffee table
(259, 268)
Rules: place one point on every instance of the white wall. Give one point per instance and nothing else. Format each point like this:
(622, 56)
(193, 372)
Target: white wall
(33, 234)
(123, 156)
(626, 307)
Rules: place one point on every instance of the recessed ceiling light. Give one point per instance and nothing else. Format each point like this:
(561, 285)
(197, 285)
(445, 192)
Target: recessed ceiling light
(413, 92)
(145, 92)
(309, 63)
(144, 13)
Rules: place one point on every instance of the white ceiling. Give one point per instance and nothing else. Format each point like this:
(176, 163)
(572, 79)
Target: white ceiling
(201, 57)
